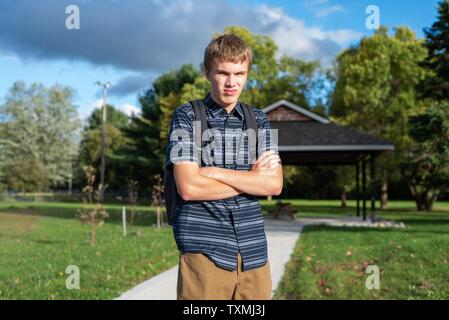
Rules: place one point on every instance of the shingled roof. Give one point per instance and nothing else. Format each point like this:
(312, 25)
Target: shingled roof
(305, 137)
(311, 135)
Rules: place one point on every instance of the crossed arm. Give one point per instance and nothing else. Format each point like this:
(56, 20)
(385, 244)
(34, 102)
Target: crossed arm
(213, 183)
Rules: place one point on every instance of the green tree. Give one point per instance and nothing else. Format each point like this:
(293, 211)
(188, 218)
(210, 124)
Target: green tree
(169, 90)
(427, 165)
(38, 135)
(114, 116)
(145, 153)
(264, 68)
(93, 213)
(2, 158)
(269, 80)
(375, 91)
(272, 79)
(143, 156)
(436, 85)
(116, 140)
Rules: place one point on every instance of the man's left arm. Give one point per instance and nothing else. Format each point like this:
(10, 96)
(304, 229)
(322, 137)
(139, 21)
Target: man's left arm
(266, 181)
(265, 177)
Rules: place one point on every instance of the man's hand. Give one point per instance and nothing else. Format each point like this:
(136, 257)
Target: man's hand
(263, 179)
(194, 186)
(266, 163)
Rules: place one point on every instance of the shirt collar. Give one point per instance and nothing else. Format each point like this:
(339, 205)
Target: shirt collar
(218, 110)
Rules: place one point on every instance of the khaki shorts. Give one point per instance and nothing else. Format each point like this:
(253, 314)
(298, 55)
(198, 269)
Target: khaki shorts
(200, 279)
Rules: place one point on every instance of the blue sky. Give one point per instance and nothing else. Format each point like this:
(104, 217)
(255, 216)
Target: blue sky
(129, 43)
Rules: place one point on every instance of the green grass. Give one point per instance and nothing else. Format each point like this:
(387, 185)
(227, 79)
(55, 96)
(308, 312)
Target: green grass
(330, 262)
(39, 240)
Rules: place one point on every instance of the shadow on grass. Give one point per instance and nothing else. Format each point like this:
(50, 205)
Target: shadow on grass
(365, 230)
(147, 215)
(115, 215)
(47, 241)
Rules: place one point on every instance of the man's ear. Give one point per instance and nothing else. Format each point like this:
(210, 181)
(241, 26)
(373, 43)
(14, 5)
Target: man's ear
(206, 75)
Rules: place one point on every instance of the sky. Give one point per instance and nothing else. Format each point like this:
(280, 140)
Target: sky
(129, 43)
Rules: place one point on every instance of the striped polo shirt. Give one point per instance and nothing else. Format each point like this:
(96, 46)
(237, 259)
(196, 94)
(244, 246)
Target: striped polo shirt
(220, 229)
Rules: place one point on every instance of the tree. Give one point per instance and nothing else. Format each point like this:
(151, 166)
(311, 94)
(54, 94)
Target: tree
(272, 79)
(38, 133)
(375, 91)
(269, 80)
(264, 69)
(115, 117)
(427, 165)
(133, 198)
(157, 199)
(145, 153)
(169, 89)
(294, 82)
(2, 158)
(93, 213)
(436, 85)
(116, 140)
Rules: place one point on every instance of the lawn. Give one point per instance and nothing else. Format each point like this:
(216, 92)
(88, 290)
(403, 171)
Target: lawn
(330, 262)
(39, 240)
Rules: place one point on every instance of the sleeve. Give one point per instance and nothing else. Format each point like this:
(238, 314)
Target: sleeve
(180, 143)
(267, 137)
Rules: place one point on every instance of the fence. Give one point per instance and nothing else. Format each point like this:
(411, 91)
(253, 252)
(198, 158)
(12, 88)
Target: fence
(64, 196)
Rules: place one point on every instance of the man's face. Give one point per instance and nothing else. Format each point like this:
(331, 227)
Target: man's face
(227, 81)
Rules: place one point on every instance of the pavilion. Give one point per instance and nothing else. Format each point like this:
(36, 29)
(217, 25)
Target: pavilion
(306, 138)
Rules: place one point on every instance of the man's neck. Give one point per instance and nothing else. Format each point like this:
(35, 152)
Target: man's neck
(229, 108)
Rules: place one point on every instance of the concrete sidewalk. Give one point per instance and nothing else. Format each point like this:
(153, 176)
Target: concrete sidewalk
(282, 235)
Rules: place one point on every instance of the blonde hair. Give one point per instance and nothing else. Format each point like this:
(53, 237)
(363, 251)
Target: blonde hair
(229, 48)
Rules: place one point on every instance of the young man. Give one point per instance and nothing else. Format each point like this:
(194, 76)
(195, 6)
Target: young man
(218, 226)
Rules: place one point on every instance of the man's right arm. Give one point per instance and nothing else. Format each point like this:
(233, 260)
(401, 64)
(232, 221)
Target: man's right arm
(185, 160)
(194, 186)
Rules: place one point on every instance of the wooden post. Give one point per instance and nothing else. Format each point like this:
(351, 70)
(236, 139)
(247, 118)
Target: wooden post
(364, 189)
(124, 220)
(373, 188)
(158, 213)
(357, 187)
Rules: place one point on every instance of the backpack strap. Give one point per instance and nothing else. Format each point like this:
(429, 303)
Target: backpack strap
(199, 108)
(250, 120)
(251, 123)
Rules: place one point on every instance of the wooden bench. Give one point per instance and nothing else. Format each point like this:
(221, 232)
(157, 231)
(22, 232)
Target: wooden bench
(281, 208)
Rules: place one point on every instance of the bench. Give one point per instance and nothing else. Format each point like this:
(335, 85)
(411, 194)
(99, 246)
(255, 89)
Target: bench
(281, 208)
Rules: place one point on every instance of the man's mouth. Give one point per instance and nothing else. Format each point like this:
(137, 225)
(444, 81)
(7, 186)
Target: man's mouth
(229, 92)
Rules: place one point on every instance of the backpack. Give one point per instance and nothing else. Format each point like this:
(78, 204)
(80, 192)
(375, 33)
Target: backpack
(171, 195)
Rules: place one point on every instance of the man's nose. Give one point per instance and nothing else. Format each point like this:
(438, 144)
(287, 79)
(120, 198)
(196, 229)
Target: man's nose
(230, 81)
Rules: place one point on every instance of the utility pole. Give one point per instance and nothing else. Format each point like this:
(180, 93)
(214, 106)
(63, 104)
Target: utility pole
(105, 86)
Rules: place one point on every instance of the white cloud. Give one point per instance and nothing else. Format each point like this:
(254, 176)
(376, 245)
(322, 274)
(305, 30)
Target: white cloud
(312, 3)
(344, 36)
(87, 110)
(295, 38)
(325, 11)
(9, 56)
(322, 8)
(150, 37)
(129, 109)
(97, 104)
